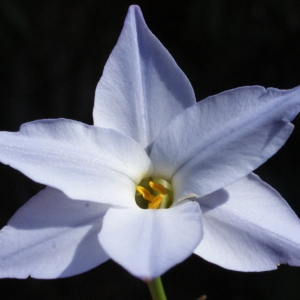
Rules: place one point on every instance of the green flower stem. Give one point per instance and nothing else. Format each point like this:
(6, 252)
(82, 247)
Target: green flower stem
(156, 289)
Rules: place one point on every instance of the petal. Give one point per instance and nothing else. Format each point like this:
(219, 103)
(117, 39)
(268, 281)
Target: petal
(148, 242)
(52, 236)
(142, 88)
(85, 162)
(223, 138)
(254, 230)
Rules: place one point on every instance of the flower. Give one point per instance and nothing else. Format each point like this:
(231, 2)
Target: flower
(152, 146)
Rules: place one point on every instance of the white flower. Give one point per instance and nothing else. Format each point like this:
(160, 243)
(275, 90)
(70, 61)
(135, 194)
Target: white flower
(148, 127)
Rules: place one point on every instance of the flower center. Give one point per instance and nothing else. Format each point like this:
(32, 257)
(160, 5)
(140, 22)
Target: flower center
(154, 193)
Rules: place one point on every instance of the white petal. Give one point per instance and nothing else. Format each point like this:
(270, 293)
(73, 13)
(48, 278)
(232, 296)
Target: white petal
(85, 162)
(142, 88)
(149, 242)
(249, 227)
(223, 138)
(52, 236)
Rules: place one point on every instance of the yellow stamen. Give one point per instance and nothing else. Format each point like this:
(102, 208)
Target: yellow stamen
(145, 193)
(154, 204)
(154, 201)
(157, 187)
(158, 192)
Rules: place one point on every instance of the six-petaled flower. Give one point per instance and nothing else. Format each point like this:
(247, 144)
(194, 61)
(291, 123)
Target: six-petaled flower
(157, 178)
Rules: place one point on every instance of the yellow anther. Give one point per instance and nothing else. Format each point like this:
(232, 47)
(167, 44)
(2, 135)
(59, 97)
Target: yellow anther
(154, 204)
(145, 193)
(157, 187)
(157, 192)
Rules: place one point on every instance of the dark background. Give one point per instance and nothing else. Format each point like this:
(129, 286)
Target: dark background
(52, 55)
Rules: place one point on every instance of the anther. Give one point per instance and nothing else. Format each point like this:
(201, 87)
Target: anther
(154, 204)
(157, 192)
(145, 193)
(157, 187)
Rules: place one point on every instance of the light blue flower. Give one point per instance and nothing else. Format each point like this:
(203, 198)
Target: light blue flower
(148, 129)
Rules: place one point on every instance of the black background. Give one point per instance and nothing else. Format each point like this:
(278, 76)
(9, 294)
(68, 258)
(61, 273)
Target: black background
(52, 55)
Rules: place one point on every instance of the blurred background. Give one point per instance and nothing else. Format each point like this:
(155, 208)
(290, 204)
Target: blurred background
(52, 55)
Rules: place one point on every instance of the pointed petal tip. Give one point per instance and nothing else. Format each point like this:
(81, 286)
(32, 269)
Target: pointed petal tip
(291, 95)
(135, 14)
(134, 8)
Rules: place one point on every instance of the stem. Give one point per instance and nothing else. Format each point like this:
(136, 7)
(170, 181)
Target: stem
(156, 289)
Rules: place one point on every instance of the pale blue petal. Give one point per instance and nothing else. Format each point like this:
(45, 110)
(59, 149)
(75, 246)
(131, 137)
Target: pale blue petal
(249, 227)
(223, 138)
(85, 162)
(52, 236)
(149, 242)
(142, 88)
